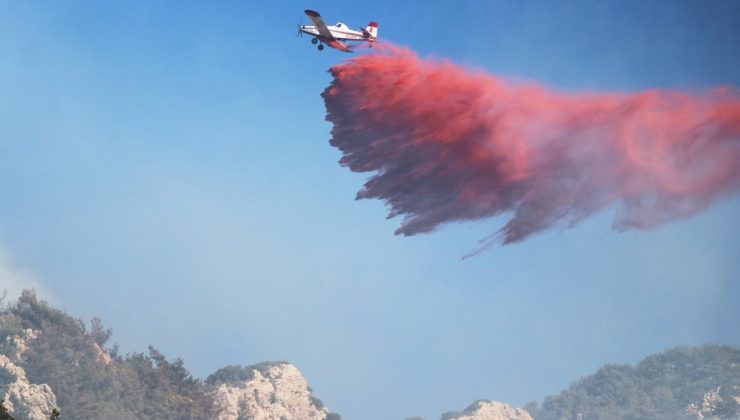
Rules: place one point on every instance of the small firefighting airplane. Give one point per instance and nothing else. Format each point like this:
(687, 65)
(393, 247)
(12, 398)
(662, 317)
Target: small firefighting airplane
(335, 34)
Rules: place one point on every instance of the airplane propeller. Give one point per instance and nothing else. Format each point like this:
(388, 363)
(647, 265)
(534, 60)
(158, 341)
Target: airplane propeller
(300, 25)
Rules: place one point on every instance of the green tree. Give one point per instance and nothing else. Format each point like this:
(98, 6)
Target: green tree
(99, 334)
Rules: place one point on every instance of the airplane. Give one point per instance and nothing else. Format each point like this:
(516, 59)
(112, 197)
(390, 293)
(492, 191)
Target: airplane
(334, 35)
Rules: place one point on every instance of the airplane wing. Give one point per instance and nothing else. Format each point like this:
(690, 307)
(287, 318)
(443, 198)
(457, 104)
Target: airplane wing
(340, 46)
(320, 25)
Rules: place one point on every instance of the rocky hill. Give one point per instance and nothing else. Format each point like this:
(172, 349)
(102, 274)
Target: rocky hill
(681, 383)
(488, 410)
(264, 391)
(51, 361)
(684, 383)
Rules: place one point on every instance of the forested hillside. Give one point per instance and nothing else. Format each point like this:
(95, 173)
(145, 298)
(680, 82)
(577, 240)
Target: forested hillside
(90, 382)
(87, 380)
(681, 383)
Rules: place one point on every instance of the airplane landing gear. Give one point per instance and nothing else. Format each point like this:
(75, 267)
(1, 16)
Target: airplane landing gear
(314, 41)
(321, 47)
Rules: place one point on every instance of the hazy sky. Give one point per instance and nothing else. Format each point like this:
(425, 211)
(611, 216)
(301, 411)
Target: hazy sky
(166, 166)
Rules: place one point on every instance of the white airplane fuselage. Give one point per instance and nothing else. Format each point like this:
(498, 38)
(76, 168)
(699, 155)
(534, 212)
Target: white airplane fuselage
(339, 31)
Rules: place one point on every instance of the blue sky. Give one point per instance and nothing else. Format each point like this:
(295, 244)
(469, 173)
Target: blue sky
(166, 167)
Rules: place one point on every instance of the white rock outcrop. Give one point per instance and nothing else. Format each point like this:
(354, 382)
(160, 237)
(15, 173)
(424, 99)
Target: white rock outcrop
(24, 400)
(19, 343)
(705, 408)
(491, 410)
(101, 355)
(276, 392)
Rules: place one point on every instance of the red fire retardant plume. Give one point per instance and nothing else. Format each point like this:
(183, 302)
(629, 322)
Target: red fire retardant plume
(449, 144)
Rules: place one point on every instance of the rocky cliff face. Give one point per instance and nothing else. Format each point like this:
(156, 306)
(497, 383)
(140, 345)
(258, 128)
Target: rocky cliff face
(275, 392)
(489, 410)
(17, 344)
(22, 399)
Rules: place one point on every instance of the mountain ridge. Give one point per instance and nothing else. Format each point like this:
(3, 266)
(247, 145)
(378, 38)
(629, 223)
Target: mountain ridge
(51, 361)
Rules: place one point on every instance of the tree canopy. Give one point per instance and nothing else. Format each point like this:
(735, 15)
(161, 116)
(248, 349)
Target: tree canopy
(70, 359)
(661, 386)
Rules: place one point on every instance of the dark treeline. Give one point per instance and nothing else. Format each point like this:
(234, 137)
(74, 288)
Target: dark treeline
(660, 387)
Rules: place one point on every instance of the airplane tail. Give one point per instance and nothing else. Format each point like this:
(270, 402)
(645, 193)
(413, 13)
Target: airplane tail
(371, 31)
